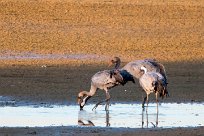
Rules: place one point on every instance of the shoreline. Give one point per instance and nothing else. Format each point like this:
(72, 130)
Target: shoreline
(94, 131)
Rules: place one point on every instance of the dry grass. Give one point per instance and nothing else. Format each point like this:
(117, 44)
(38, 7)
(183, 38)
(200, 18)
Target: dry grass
(168, 31)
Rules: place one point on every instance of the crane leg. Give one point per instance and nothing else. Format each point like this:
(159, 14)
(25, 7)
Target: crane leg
(107, 119)
(107, 100)
(142, 118)
(156, 94)
(144, 101)
(147, 100)
(157, 115)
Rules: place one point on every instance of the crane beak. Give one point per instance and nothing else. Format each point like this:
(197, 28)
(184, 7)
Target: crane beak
(83, 101)
(80, 101)
(81, 107)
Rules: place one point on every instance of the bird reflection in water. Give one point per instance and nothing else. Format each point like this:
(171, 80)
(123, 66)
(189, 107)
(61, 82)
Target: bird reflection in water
(145, 112)
(149, 118)
(84, 116)
(81, 123)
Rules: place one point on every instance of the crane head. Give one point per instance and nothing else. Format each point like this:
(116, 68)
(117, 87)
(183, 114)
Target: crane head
(115, 61)
(82, 99)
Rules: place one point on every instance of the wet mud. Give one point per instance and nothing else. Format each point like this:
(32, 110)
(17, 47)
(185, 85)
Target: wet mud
(60, 84)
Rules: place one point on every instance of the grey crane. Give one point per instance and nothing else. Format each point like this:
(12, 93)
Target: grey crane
(105, 80)
(153, 65)
(153, 82)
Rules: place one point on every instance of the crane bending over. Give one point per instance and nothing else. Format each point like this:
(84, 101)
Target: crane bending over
(153, 82)
(105, 80)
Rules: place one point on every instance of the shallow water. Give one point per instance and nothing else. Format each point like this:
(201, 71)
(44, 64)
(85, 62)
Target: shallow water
(120, 115)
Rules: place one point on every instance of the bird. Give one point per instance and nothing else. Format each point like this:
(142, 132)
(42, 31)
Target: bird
(105, 80)
(152, 65)
(152, 82)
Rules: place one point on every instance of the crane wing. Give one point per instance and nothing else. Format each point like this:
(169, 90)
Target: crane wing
(102, 78)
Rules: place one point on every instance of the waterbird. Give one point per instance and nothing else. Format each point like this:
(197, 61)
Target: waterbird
(105, 80)
(152, 65)
(152, 82)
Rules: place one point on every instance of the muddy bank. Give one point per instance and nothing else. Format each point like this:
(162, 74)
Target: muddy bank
(60, 84)
(94, 131)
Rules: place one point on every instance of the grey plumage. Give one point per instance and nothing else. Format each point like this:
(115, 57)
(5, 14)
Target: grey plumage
(151, 65)
(153, 82)
(104, 80)
(107, 79)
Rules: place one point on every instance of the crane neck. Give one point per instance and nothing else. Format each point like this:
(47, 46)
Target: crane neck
(90, 93)
(117, 64)
(116, 61)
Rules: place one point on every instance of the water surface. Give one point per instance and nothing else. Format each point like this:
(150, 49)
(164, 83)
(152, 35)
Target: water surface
(120, 115)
